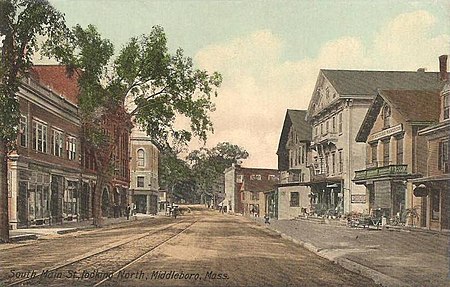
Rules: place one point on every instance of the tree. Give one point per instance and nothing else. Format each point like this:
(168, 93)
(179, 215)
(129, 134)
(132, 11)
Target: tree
(21, 23)
(161, 86)
(208, 166)
(176, 176)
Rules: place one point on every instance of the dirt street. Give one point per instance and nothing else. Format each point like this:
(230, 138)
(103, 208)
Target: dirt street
(202, 248)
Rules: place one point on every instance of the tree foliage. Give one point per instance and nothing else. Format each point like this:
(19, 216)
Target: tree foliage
(208, 165)
(176, 176)
(22, 22)
(160, 86)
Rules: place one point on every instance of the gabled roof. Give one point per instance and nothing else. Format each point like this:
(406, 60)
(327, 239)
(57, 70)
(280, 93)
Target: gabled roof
(295, 118)
(356, 82)
(413, 106)
(57, 79)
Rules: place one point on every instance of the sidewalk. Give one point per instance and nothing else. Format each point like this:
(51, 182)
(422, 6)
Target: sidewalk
(389, 257)
(67, 227)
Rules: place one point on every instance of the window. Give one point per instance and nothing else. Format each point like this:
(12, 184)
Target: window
(334, 124)
(374, 150)
(255, 177)
(299, 154)
(321, 128)
(340, 123)
(321, 165)
(71, 148)
(333, 162)
(272, 177)
(327, 127)
(140, 181)
(443, 157)
(23, 131)
(435, 204)
(327, 166)
(400, 150)
(57, 143)
(291, 159)
(386, 152)
(316, 131)
(295, 157)
(239, 178)
(39, 136)
(140, 157)
(341, 161)
(295, 199)
(303, 155)
(386, 116)
(446, 106)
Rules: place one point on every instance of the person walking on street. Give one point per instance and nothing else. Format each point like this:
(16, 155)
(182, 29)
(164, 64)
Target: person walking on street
(128, 212)
(266, 219)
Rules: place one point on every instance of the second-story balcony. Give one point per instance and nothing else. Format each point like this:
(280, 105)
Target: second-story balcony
(326, 138)
(399, 170)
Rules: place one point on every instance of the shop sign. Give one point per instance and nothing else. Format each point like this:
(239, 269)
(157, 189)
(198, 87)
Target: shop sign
(385, 133)
(358, 198)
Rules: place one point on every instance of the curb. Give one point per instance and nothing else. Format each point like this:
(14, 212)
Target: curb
(17, 238)
(376, 276)
(65, 231)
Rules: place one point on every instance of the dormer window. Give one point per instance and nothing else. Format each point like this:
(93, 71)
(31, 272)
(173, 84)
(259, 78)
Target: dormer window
(386, 116)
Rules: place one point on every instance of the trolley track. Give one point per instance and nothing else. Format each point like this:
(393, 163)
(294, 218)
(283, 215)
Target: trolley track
(103, 264)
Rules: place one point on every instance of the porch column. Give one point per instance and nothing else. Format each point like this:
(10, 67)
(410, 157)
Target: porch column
(148, 208)
(13, 187)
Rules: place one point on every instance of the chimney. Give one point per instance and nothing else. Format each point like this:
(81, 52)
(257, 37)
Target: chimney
(443, 75)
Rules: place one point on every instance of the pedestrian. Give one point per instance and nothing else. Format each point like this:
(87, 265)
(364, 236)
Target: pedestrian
(175, 211)
(266, 219)
(128, 212)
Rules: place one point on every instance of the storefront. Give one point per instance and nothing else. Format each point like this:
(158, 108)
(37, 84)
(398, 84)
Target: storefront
(327, 199)
(435, 202)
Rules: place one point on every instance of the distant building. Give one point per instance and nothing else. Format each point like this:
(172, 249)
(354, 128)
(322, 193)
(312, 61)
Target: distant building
(247, 189)
(395, 152)
(144, 180)
(431, 192)
(293, 195)
(339, 103)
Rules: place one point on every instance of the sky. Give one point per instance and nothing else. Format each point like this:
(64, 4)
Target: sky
(270, 52)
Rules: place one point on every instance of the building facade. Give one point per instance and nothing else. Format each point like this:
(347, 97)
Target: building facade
(294, 160)
(255, 188)
(144, 180)
(51, 175)
(431, 192)
(395, 152)
(248, 190)
(339, 103)
(45, 171)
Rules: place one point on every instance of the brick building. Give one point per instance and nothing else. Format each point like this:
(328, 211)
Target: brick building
(247, 190)
(44, 171)
(51, 177)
